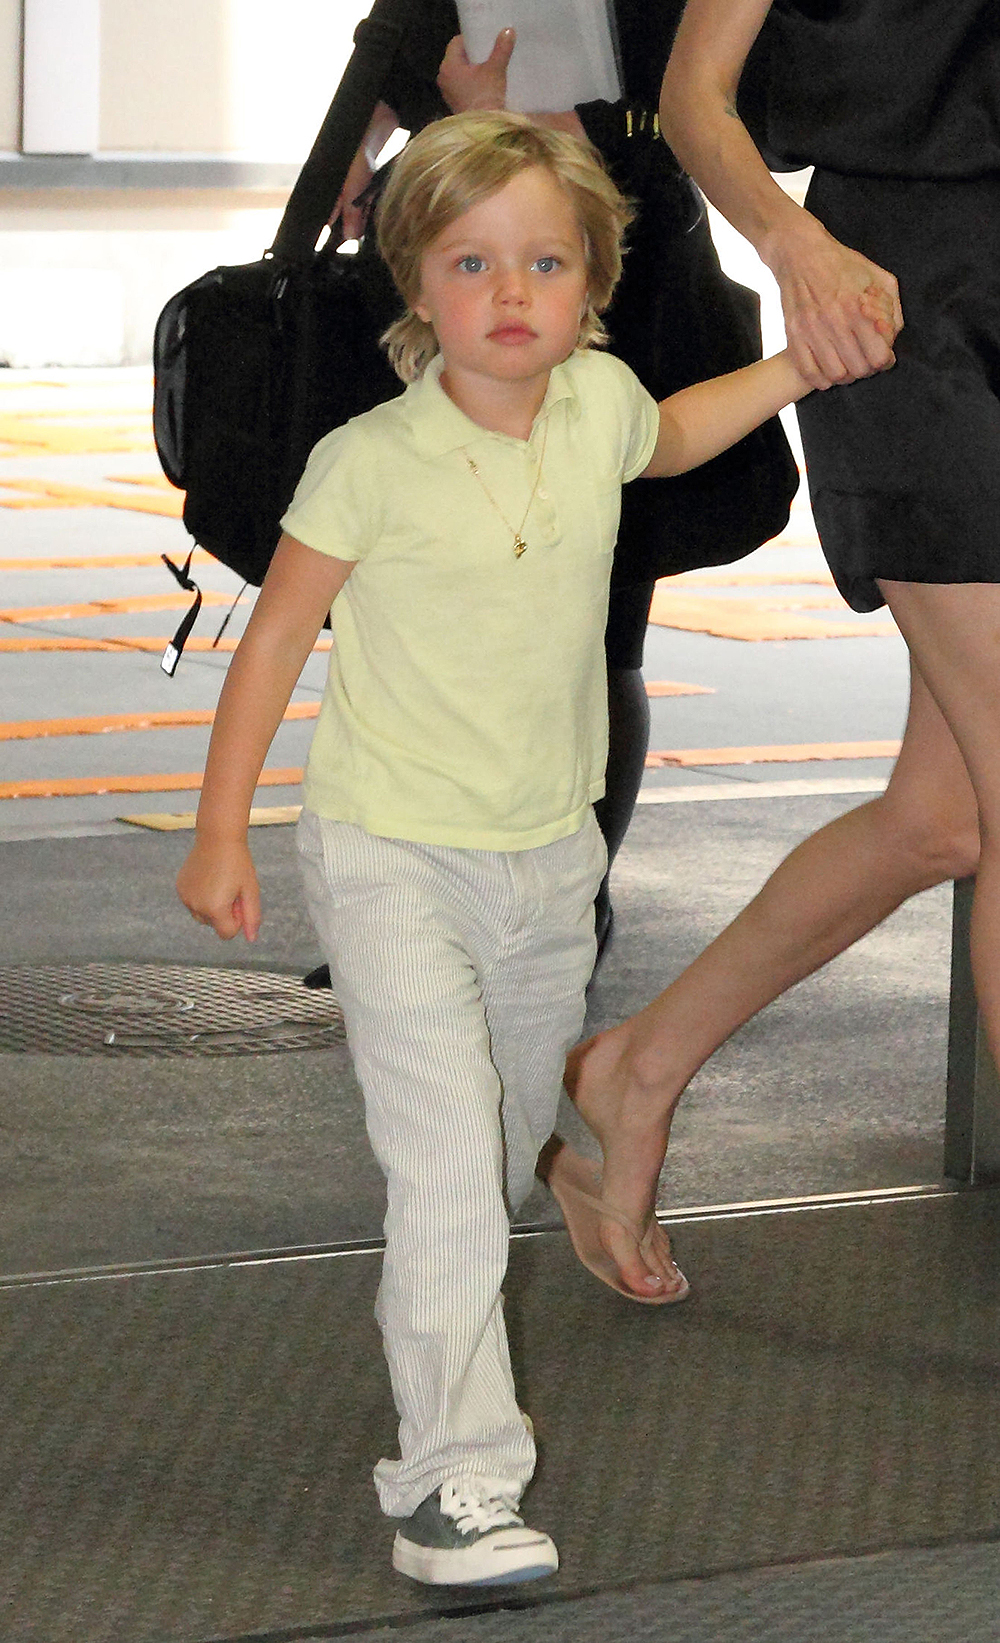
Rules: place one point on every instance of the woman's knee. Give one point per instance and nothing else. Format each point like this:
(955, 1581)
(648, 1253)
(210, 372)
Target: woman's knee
(937, 832)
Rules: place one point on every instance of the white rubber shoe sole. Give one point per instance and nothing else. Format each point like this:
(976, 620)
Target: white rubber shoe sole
(504, 1557)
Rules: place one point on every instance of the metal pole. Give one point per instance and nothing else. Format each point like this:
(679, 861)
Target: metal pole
(972, 1113)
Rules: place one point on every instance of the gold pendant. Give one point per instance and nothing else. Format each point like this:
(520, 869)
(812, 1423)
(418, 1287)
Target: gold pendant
(519, 546)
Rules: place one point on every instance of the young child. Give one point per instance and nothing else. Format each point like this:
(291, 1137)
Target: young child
(463, 536)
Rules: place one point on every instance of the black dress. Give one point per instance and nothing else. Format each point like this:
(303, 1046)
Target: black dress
(897, 104)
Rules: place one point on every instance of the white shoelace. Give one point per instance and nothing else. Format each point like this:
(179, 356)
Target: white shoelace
(479, 1507)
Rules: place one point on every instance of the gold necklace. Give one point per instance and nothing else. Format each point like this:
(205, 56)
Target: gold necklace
(519, 543)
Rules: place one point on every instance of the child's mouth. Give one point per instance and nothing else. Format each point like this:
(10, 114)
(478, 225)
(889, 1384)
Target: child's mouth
(512, 334)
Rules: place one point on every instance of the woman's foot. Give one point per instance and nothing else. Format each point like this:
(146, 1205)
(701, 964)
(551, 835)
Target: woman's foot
(634, 1260)
(632, 1124)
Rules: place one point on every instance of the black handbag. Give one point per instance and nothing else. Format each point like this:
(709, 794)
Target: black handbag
(253, 364)
(677, 318)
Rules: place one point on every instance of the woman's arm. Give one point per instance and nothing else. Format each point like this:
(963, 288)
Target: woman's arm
(833, 338)
(217, 882)
(698, 422)
(381, 126)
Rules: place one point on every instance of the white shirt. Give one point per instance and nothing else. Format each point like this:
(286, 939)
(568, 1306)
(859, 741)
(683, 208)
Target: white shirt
(565, 52)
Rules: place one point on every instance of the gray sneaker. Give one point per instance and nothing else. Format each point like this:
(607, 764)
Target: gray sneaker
(468, 1533)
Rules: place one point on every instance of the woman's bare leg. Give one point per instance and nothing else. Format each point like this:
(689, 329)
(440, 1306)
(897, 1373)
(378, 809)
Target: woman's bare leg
(833, 888)
(953, 631)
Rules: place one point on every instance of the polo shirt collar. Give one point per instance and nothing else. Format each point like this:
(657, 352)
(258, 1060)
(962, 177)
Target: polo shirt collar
(439, 426)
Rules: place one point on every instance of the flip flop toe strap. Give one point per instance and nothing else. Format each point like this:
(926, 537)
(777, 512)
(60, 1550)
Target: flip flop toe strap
(602, 1207)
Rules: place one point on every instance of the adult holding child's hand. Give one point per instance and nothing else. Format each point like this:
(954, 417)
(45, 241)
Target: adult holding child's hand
(841, 309)
(896, 105)
(841, 312)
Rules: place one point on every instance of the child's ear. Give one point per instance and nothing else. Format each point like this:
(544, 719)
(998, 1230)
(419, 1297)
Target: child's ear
(421, 310)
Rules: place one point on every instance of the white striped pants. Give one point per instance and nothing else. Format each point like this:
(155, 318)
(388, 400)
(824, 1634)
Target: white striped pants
(461, 974)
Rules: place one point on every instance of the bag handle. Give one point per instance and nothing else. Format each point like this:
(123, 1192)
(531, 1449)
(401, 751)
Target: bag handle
(377, 40)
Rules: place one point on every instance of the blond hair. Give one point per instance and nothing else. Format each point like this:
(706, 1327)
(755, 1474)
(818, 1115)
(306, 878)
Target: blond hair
(451, 166)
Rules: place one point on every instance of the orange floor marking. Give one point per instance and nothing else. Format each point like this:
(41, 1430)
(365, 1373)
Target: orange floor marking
(81, 412)
(153, 645)
(156, 482)
(745, 619)
(71, 433)
(667, 687)
(177, 821)
(68, 787)
(106, 561)
(74, 786)
(798, 753)
(24, 730)
(107, 607)
(50, 502)
(50, 493)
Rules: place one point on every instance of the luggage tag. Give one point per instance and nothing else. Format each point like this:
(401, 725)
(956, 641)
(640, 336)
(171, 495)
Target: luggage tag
(172, 655)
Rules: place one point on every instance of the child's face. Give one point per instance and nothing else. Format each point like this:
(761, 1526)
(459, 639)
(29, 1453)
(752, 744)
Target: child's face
(505, 285)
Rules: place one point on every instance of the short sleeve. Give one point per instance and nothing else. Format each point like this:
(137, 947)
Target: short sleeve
(640, 424)
(335, 508)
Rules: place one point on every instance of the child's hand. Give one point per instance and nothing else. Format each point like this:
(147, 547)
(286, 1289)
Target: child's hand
(218, 886)
(876, 306)
(842, 311)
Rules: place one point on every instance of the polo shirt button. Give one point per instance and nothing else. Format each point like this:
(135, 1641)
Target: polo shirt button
(544, 495)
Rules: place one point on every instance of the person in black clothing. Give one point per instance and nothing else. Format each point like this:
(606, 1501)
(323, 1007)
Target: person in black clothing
(671, 268)
(897, 105)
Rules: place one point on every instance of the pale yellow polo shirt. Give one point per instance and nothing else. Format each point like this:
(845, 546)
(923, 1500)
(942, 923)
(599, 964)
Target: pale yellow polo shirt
(466, 698)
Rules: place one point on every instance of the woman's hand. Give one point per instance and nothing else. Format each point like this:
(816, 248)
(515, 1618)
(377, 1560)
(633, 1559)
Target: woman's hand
(465, 85)
(218, 886)
(842, 312)
(353, 217)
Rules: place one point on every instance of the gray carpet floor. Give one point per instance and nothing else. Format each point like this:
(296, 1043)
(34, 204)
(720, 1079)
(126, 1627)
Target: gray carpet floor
(187, 1455)
(946, 1594)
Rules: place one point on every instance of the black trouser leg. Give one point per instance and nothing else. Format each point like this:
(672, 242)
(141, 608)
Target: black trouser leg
(628, 728)
(628, 740)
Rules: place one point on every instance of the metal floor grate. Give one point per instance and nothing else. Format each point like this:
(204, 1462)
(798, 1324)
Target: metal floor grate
(160, 1010)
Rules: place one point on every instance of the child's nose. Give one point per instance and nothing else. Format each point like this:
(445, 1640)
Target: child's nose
(512, 286)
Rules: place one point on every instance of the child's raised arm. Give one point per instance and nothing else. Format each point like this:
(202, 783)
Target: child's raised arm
(217, 882)
(699, 422)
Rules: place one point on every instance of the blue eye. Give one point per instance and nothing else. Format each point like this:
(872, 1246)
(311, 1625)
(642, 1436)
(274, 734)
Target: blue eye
(546, 265)
(471, 264)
